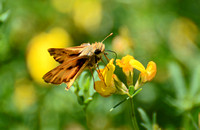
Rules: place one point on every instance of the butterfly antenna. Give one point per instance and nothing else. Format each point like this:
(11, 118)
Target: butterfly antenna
(107, 37)
(113, 52)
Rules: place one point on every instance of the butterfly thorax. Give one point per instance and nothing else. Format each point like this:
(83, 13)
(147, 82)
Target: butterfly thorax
(94, 53)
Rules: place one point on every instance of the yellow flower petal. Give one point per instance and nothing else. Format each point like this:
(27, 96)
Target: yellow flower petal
(109, 70)
(151, 70)
(106, 87)
(124, 63)
(103, 90)
(106, 73)
(137, 65)
(100, 71)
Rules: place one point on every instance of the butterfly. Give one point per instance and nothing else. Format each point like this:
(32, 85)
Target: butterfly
(73, 61)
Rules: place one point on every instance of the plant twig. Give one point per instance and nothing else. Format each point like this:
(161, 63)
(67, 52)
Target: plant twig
(133, 117)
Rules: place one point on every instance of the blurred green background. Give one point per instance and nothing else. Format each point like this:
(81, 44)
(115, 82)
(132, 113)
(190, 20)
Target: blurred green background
(165, 31)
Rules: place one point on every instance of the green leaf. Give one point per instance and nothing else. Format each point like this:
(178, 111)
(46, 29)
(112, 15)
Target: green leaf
(4, 16)
(194, 86)
(193, 123)
(154, 118)
(146, 121)
(83, 82)
(178, 80)
(84, 88)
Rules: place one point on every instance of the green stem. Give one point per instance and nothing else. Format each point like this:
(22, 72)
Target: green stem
(133, 117)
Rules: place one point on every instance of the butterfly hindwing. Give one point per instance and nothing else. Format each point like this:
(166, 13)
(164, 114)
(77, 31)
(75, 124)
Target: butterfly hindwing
(66, 72)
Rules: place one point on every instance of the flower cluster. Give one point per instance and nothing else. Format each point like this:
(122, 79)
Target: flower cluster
(110, 84)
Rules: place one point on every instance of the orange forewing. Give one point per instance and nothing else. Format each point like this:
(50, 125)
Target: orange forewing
(64, 54)
(66, 72)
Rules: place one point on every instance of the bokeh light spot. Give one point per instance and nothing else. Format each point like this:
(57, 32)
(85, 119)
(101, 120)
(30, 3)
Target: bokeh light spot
(39, 61)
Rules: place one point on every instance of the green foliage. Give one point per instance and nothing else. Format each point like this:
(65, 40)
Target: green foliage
(166, 32)
(4, 16)
(147, 122)
(84, 88)
(186, 94)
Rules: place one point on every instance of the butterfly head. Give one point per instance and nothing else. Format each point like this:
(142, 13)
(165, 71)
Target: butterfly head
(99, 48)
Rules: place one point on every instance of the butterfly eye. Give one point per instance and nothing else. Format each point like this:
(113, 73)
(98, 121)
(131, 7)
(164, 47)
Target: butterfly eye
(97, 51)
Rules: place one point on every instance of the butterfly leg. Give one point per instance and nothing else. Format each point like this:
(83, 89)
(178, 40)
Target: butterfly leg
(98, 71)
(106, 57)
(92, 76)
(104, 63)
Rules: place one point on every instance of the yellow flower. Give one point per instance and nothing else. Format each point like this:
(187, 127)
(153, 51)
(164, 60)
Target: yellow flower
(128, 63)
(103, 90)
(146, 74)
(105, 87)
(124, 63)
(126, 67)
(150, 71)
(109, 83)
(137, 65)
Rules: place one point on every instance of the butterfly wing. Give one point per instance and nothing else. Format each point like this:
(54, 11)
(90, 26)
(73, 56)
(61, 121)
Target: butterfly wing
(67, 72)
(64, 54)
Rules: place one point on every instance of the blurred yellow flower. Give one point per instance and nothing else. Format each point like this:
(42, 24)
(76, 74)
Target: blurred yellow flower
(183, 34)
(63, 6)
(38, 60)
(24, 95)
(105, 87)
(123, 43)
(87, 14)
(183, 31)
